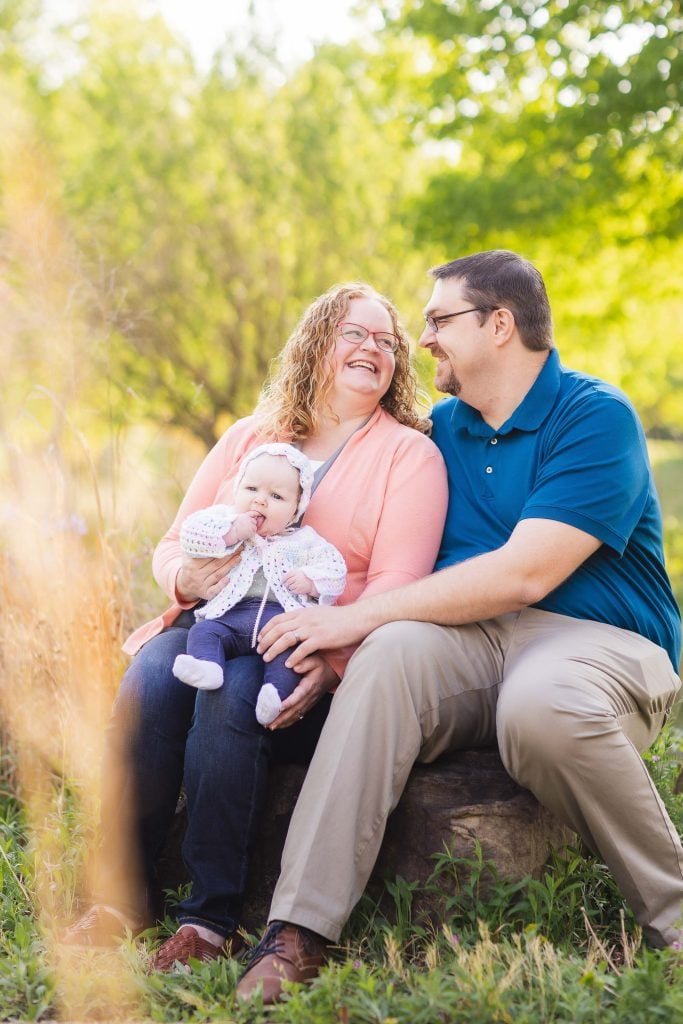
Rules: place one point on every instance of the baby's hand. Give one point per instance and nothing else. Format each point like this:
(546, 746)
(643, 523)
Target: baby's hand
(243, 527)
(299, 583)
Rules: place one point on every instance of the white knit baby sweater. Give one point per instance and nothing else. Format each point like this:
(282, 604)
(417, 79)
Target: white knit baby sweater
(201, 536)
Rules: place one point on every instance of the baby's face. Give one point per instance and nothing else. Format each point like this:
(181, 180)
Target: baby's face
(270, 486)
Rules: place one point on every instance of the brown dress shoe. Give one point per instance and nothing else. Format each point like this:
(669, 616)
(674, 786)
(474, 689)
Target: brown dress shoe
(285, 953)
(101, 927)
(188, 945)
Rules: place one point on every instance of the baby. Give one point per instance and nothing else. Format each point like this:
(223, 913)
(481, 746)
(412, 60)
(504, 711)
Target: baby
(279, 568)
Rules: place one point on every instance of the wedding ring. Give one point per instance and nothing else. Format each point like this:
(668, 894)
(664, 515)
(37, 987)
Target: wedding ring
(300, 717)
(297, 638)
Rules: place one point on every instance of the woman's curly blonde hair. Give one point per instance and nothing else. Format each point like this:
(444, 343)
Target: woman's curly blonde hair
(294, 398)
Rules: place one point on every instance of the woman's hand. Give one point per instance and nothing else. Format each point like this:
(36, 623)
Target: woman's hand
(203, 577)
(317, 680)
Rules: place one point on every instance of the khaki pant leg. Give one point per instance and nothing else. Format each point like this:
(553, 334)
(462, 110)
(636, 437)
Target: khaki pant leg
(412, 689)
(579, 700)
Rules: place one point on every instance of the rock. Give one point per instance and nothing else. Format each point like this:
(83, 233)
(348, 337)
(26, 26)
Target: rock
(464, 798)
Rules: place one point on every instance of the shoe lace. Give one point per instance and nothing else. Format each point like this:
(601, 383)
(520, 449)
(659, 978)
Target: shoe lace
(269, 943)
(272, 943)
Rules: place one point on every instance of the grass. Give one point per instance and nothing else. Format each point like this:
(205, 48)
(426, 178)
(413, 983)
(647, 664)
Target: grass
(559, 948)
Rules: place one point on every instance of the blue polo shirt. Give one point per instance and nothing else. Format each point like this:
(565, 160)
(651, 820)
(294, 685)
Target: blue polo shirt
(573, 451)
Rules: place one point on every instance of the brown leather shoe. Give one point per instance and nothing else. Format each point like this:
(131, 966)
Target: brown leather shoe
(101, 926)
(188, 945)
(285, 953)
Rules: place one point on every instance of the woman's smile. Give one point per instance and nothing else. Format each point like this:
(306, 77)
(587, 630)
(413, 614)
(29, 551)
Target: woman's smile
(362, 364)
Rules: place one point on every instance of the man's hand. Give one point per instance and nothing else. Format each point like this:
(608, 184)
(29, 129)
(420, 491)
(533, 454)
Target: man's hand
(313, 629)
(203, 577)
(317, 680)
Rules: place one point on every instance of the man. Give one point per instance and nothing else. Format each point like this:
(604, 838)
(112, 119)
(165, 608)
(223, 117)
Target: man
(549, 627)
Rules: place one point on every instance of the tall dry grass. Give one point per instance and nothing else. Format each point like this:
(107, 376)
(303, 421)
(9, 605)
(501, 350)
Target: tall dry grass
(64, 569)
(64, 593)
(81, 499)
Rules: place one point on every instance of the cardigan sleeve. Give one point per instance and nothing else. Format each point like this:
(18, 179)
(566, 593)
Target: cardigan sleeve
(325, 567)
(202, 533)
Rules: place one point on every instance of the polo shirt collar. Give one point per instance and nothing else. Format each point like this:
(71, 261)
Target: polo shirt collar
(529, 414)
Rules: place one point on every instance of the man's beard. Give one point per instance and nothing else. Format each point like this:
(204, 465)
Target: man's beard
(451, 385)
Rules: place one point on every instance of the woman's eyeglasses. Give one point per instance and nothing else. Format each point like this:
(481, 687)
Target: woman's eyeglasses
(356, 335)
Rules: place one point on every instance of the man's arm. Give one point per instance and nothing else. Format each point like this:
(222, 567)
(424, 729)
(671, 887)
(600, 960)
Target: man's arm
(539, 555)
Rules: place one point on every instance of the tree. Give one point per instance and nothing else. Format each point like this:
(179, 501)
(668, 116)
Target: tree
(558, 125)
(209, 211)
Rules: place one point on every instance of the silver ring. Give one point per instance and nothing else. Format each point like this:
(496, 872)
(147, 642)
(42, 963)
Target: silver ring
(297, 638)
(300, 717)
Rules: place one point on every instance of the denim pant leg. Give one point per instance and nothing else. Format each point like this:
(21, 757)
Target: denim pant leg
(143, 770)
(226, 779)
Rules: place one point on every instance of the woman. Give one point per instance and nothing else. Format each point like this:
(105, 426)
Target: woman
(344, 394)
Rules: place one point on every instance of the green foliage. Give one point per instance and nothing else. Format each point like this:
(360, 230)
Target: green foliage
(490, 950)
(24, 978)
(664, 762)
(205, 212)
(561, 93)
(667, 462)
(465, 894)
(163, 229)
(558, 126)
(554, 904)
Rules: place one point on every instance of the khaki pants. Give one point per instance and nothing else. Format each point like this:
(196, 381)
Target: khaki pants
(569, 702)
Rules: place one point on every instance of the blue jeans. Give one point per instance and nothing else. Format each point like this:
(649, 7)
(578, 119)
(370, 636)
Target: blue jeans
(162, 730)
(222, 639)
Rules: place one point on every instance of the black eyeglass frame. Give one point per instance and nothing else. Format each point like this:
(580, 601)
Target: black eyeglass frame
(434, 322)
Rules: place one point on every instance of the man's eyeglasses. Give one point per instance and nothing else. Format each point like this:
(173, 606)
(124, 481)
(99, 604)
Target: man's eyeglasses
(356, 335)
(435, 322)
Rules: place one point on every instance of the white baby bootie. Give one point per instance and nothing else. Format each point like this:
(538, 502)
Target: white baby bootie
(268, 704)
(203, 675)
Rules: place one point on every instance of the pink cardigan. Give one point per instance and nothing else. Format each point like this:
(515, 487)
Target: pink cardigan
(382, 504)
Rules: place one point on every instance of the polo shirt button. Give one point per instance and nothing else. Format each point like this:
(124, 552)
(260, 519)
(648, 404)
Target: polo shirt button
(494, 440)
(489, 469)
